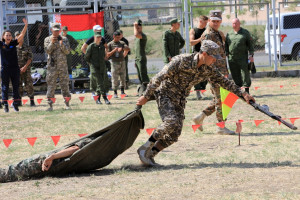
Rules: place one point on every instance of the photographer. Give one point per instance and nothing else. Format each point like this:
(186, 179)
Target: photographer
(57, 47)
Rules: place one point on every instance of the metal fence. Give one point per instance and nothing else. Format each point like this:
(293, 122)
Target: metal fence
(253, 17)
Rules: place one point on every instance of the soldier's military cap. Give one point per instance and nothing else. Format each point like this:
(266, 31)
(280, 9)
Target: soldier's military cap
(139, 22)
(55, 26)
(17, 33)
(64, 28)
(98, 34)
(97, 28)
(211, 48)
(174, 20)
(215, 15)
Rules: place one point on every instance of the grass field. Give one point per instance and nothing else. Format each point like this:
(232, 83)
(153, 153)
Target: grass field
(201, 165)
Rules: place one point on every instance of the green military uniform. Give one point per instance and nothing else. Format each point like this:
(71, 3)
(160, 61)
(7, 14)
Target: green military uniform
(24, 54)
(172, 43)
(95, 56)
(141, 59)
(73, 45)
(237, 46)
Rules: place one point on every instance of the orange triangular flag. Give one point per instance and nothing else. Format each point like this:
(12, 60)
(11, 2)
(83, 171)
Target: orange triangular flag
(82, 134)
(24, 101)
(7, 142)
(39, 101)
(122, 95)
(221, 124)
(10, 102)
(67, 99)
(96, 97)
(202, 91)
(293, 120)
(281, 86)
(294, 85)
(195, 127)
(53, 100)
(109, 97)
(257, 122)
(279, 122)
(81, 99)
(150, 130)
(31, 141)
(255, 88)
(55, 139)
(240, 120)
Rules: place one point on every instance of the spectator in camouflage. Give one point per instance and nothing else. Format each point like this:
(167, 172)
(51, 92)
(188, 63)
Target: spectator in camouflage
(171, 86)
(212, 33)
(57, 47)
(38, 165)
(24, 59)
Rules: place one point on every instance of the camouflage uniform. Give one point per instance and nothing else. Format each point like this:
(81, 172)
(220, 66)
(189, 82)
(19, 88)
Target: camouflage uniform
(32, 167)
(57, 66)
(25, 54)
(172, 85)
(219, 38)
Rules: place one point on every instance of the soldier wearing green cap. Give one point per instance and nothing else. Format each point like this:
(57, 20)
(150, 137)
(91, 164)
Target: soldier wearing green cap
(172, 41)
(212, 33)
(170, 88)
(73, 45)
(95, 56)
(140, 56)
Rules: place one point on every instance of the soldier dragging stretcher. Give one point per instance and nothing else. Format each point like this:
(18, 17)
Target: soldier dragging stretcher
(171, 86)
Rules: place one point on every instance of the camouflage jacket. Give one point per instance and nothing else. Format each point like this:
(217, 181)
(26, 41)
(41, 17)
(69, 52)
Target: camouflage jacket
(219, 38)
(178, 77)
(24, 54)
(56, 52)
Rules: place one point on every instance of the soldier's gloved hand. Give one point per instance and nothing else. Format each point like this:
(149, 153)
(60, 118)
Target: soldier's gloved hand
(248, 97)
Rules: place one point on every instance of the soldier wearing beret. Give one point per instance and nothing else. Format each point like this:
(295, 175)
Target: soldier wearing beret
(170, 88)
(57, 47)
(24, 59)
(212, 33)
(172, 41)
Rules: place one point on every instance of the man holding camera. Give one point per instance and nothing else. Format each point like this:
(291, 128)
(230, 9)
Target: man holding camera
(57, 47)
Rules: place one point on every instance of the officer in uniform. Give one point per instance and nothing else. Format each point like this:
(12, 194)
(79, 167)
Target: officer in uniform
(24, 59)
(170, 88)
(57, 47)
(195, 42)
(172, 41)
(212, 33)
(140, 56)
(237, 45)
(95, 56)
(73, 44)
(126, 58)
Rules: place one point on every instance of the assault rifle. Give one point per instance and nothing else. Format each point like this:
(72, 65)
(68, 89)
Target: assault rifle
(265, 109)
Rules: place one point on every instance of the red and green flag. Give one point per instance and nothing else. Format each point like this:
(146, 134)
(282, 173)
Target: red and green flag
(81, 26)
(228, 99)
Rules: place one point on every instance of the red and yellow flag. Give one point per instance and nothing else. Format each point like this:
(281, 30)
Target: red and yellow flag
(227, 99)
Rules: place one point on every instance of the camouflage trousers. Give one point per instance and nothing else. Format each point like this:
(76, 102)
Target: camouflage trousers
(215, 104)
(54, 72)
(118, 70)
(172, 114)
(28, 168)
(25, 78)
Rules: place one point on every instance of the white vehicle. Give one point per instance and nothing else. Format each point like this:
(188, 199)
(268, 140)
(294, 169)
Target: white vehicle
(288, 37)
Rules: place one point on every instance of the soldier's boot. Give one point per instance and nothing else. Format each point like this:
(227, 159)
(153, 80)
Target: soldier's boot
(16, 106)
(6, 109)
(67, 105)
(105, 99)
(199, 120)
(116, 94)
(247, 90)
(0, 105)
(98, 100)
(32, 104)
(19, 102)
(198, 94)
(123, 91)
(146, 154)
(224, 131)
(50, 107)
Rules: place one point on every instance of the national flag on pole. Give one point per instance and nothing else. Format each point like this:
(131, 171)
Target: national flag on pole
(81, 26)
(228, 99)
